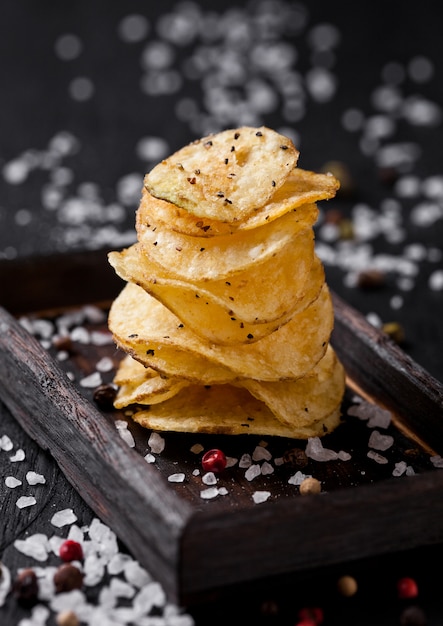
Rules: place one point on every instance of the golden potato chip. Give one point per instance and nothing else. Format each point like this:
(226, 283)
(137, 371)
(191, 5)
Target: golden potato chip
(209, 309)
(137, 383)
(227, 410)
(225, 176)
(149, 332)
(196, 258)
(299, 192)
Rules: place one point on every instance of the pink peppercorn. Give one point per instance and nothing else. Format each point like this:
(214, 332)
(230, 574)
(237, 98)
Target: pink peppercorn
(214, 461)
(407, 588)
(70, 551)
(314, 614)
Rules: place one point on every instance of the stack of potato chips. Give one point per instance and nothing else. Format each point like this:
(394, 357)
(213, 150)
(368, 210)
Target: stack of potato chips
(226, 316)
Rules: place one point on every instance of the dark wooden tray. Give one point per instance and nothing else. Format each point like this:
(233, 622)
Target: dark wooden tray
(197, 547)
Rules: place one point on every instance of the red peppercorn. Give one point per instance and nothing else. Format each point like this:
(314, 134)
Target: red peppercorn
(313, 613)
(306, 622)
(70, 551)
(214, 461)
(407, 588)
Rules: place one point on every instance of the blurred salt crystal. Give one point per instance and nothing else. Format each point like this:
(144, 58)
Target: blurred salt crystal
(135, 574)
(344, 456)
(437, 461)
(156, 442)
(6, 443)
(91, 381)
(63, 518)
(261, 453)
(34, 479)
(179, 477)
(316, 451)
(150, 595)
(149, 458)
(68, 601)
(378, 441)
(378, 458)
(399, 468)
(298, 478)
(25, 501)
(209, 478)
(245, 461)
(5, 583)
(376, 416)
(127, 436)
(105, 364)
(260, 496)
(209, 494)
(252, 472)
(101, 338)
(93, 569)
(266, 469)
(80, 334)
(36, 546)
(435, 280)
(231, 461)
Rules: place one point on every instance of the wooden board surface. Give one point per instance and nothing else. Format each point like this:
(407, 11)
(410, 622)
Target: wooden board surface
(363, 511)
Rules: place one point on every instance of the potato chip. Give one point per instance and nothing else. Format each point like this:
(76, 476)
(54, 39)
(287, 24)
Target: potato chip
(153, 335)
(298, 193)
(227, 410)
(195, 258)
(209, 309)
(213, 177)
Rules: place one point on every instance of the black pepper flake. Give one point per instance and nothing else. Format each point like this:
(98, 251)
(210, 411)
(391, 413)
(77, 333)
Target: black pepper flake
(180, 326)
(284, 147)
(232, 148)
(197, 172)
(245, 425)
(197, 295)
(273, 183)
(234, 319)
(192, 180)
(155, 243)
(227, 201)
(104, 396)
(259, 133)
(227, 283)
(208, 144)
(133, 335)
(220, 194)
(237, 135)
(178, 248)
(180, 166)
(202, 249)
(150, 352)
(250, 336)
(226, 161)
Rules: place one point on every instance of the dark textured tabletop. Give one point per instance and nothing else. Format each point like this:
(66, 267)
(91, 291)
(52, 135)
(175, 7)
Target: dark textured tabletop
(94, 94)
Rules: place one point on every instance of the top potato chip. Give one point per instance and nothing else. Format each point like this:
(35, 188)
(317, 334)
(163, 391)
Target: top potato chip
(225, 176)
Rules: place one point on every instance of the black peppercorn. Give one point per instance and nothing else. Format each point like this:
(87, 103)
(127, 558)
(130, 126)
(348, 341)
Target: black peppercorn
(67, 577)
(104, 397)
(25, 588)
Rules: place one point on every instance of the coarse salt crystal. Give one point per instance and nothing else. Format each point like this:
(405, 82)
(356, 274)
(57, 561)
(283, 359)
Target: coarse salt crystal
(34, 479)
(18, 456)
(63, 518)
(149, 458)
(91, 381)
(135, 574)
(437, 461)
(105, 364)
(12, 482)
(209, 494)
(209, 478)
(231, 461)
(127, 436)
(6, 443)
(252, 472)
(260, 496)
(399, 468)
(5, 583)
(266, 469)
(35, 546)
(156, 442)
(179, 477)
(378, 458)
(379, 441)
(298, 478)
(261, 453)
(25, 501)
(245, 461)
(316, 451)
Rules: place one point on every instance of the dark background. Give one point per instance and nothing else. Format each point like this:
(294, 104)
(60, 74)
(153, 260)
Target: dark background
(85, 198)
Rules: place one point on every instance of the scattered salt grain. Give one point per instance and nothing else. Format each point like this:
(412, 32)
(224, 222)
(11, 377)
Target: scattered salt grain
(377, 441)
(18, 456)
(344, 456)
(149, 458)
(25, 501)
(35, 479)
(12, 482)
(5, 583)
(437, 461)
(80, 334)
(245, 461)
(399, 468)
(105, 364)
(231, 461)
(91, 381)
(6, 443)
(435, 280)
(266, 469)
(93, 569)
(150, 595)
(209, 478)
(125, 433)
(316, 451)
(252, 472)
(176, 478)
(376, 416)
(156, 442)
(260, 496)
(209, 494)
(101, 338)
(36, 546)
(63, 518)
(298, 478)
(378, 458)
(260, 453)
(135, 574)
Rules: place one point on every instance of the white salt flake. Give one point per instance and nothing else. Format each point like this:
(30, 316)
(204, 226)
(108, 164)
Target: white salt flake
(399, 468)
(35, 546)
(298, 478)
(209, 478)
(63, 518)
(35, 479)
(101, 338)
(25, 501)
(208, 494)
(223, 491)
(176, 478)
(156, 442)
(6, 443)
(378, 458)
(260, 496)
(196, 472)
(316, 451)
(252, 472)
(80, 334)
(376, 416)
(12, 482)
(344, 456)
(266, 469)
(127, 436)
(150, 595)
(377, 441)
(5, 583)
(231, 461)
(94, 570)
(260, 453)
(18, 456)
(105, 364)
(437, 461)
(410, 471)
(68, 601)
(135, 574)
(91, 381)
(245, 461)
(149, 458)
